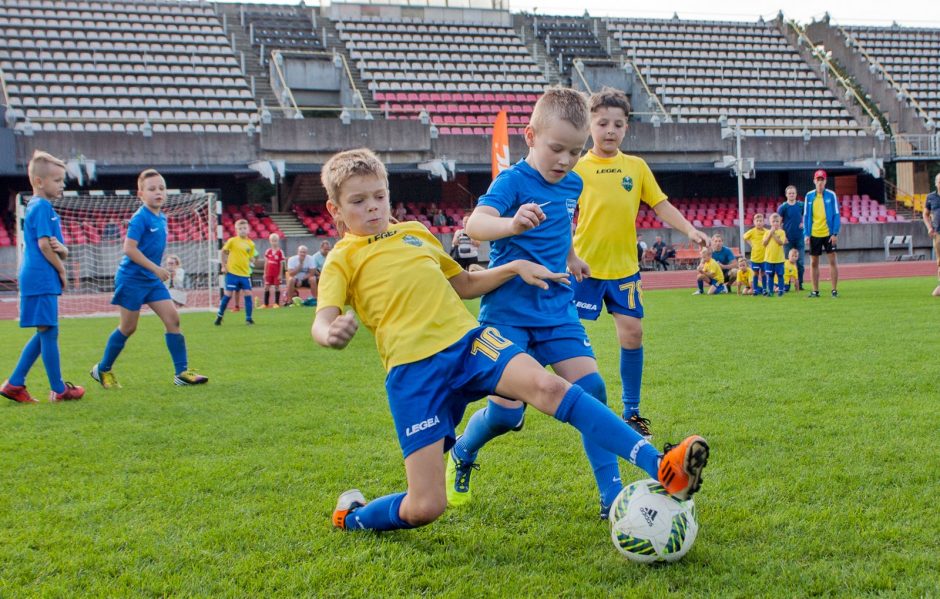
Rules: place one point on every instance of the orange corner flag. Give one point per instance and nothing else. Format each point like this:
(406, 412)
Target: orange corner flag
(500, 143)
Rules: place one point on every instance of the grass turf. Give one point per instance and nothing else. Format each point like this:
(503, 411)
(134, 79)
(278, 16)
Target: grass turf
(820, 415)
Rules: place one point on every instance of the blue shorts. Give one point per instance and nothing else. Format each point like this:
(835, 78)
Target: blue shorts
(774, 268)
(428, 397)
(758, 268)
(550, 345)
(235, 282)
(39, 310)
(622, 296)
(131, 294)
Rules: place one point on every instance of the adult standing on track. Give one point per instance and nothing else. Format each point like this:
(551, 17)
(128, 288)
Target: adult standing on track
(792, 213)
(821, 223)
(932, 220)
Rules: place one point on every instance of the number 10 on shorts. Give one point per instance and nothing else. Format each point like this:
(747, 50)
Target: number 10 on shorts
(489, 343)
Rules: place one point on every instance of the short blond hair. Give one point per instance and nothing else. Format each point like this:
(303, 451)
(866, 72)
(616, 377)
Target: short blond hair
(274, 237)
(346, 165)
(40, 163)
(560, 104)
(241, 221)
(150, 172)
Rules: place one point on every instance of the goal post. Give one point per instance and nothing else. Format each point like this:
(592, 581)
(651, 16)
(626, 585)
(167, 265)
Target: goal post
(94, 225)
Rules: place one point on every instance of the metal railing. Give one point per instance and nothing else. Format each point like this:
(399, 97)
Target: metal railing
(916, 146)
(280, 86)
(282, 80)
(824, 59)
(853, 42)
(649, 92)
(3, 88)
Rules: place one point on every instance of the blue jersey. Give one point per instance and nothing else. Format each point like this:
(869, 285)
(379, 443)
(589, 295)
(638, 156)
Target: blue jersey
(37, 275)
(724, 257)
(792, 221)
(517, 303)
(149, 231)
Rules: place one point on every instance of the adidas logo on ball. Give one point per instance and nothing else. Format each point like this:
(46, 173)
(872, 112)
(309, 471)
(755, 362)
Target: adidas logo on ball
(649, 514)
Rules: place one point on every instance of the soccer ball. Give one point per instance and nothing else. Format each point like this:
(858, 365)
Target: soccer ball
(647, 525)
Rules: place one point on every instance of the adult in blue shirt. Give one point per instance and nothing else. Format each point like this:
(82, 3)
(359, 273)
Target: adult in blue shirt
(724, 257)
(792, 213)
(932, 220)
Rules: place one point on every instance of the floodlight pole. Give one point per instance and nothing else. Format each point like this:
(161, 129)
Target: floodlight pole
(740, 169)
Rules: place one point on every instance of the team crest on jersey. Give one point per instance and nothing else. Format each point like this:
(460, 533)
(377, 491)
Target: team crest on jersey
(571, 204)
(412, 240)
(627, 183)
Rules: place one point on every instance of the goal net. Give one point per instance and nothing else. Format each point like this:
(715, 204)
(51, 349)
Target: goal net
(94, 225)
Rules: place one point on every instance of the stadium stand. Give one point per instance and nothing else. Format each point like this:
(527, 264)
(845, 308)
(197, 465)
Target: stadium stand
(461, 75)
(315, 216)
(282, 29)
(911, 57)
(567, 38)
(746, 71)
(114, 66)
(259, 223)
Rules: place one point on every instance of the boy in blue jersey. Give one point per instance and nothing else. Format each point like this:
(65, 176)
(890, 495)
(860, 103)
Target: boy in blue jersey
(527, 213)
(407, 290)
(139, 280)
(42, 278)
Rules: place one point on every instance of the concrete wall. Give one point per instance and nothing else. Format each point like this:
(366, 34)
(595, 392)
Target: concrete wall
(314, 140)
(122, 149)
(342, 11)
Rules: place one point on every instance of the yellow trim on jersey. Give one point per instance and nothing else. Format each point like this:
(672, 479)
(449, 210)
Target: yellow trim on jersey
(397, 282)
(240, 254)
(606, 233)
(755, 237)
(773, 252)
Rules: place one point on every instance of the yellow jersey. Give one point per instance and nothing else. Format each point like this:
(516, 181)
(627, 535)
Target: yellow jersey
(755, 237)
(773, 252)
(397, 282)
(820, 226)
(713, 269)
(240, 254)
(606, 233)
(789, 272)
(745, 275)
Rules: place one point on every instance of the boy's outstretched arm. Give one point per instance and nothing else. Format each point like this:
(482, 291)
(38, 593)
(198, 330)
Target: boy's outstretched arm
(671, 216)
(330, 329)
(469, 285)
(485, 224)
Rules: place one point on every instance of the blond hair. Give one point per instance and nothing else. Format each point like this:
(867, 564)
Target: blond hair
(40, 162)
(343, 166)
(610, 97)
(560, 103)
(274, 237)
(173, 257)
(241, 221)
(150, 172)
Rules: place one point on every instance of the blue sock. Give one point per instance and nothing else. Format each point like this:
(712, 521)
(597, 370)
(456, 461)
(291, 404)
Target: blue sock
(50, 358)
(631, 376)
(112, 350)
(176, 343)
(28, 357)
(249, 304)
(603, 463)
(380, 514)
(597, 423)
(701, 287)
(223, 304)
(490, 422)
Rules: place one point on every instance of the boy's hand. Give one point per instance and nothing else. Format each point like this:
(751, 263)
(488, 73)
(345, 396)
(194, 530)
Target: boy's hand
(537, 275)
(64, 279)
(698, 237)
(58, 248)
(342, 330)
(578, 268)
(162, 273)
(527, 217)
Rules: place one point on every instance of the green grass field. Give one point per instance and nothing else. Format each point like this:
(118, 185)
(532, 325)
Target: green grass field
(822, 417)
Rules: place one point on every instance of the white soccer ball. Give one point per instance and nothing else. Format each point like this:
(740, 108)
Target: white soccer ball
(647, 525)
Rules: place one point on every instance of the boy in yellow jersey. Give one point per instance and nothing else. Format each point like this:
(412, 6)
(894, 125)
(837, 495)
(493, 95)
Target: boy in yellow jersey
(791, 272)
(236, 257)
(407, 290)
(755, 238)
(710, 273)
(614, 186)
(773, 242)
(744, 279)
(821, 224)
